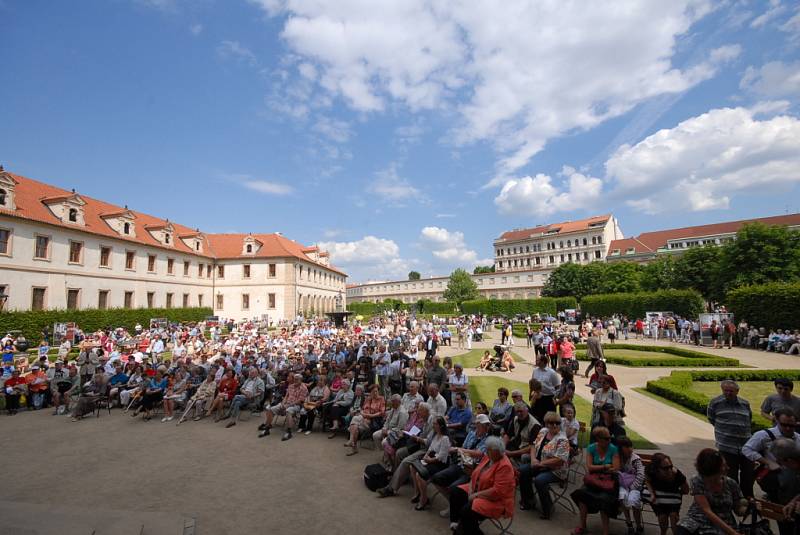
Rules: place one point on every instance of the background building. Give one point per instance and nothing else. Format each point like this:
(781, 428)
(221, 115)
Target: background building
(63, 250)
(648, 245)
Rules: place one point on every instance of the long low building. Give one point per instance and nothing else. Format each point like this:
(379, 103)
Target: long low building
(63, 250)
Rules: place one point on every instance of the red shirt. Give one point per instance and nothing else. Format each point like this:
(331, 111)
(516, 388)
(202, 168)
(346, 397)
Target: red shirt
(14, 381)
(227, 387)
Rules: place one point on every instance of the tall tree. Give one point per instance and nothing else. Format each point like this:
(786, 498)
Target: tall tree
(413, 275)
(760, 254)
(461, 287)
(567, 280)
(698, 269)
(483, 269)
(659, 274)
(620, 277)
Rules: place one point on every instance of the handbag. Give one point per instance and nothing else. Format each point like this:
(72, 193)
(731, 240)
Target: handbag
(626, 479)
(755, 526)
(600, 481)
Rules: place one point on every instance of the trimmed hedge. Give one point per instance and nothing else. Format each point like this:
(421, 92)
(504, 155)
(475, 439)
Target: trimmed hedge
(432, 307)
(512, 307)
(677, 387)
(32, 322)
(773, 306)
(689, 358)
(687, 303)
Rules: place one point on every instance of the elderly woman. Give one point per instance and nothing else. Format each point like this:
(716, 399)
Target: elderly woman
(599, 491)
(606, 395)
(369, 418)
(435, 460)
(549, 455)
(317, 396)
(225, 392)
(489, 493)
(340, 405)
(204, 395)
(153, 393)
(502, 410)
(417, 417)
(716, 498)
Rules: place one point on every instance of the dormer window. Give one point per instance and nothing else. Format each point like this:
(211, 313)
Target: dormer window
(126, 228)
(166, 237)
(249, 248)
(7, 184)
(2, 197)
(73, 215)
(67, 208)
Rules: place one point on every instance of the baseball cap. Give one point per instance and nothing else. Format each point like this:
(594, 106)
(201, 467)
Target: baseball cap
(482, 419)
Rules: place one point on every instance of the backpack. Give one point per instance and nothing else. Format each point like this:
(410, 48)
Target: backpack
(376, 477)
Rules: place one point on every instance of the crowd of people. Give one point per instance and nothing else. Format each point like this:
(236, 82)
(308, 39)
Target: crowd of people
(383, 382)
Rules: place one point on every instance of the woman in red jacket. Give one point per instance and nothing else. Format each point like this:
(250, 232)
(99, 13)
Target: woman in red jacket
(225, 392)
(489, 494)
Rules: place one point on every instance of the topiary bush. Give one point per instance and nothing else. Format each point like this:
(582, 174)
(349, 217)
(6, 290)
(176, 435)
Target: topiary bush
(773, 306)
(687, 303)
(511, 307)
(32, 322)
(688, 358)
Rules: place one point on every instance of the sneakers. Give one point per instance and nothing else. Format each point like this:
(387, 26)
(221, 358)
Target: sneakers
(453, 526)
(264, 432)
(170, 418)
(286, 436)
(262, 427)
(445, 513)
(306, 433)
(230, 424)
(164, 419)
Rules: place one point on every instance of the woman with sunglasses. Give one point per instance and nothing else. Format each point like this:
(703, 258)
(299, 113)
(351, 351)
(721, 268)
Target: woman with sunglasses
(549, 457)
(599, 492)
(664, 489)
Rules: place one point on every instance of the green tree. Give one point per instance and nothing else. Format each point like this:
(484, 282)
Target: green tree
(659, 274)
(483, 269)
(698, 269)
(569, 280)
(461, 287)
(413, 275)
(759, 255)
(619, 277)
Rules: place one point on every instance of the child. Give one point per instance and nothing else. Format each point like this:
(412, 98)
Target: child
(631, 483)
(570, 426)
(665, 487)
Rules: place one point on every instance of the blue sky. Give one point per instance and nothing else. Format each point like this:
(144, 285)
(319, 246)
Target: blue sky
(407, 134)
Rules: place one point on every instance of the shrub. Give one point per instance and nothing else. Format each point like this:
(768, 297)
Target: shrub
(773, 306)
(687, 303)
(511, 307)
(677, 387)
(32, 322)
(432, 307)
(687, 358)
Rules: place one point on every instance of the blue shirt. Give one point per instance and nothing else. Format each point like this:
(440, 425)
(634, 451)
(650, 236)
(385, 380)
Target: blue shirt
(119, 378)
(474, 442)
(158, 385)
(459, 416)
(608, 459)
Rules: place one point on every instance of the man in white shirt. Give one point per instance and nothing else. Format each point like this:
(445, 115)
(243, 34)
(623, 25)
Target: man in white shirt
(412, 398)
(436, 401)
(550, 381)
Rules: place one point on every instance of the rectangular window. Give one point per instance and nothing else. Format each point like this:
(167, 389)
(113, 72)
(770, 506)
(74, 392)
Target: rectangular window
(151, 263)
(220, 272)
(186, 269)
(246, 271)
(272, 270)
(128, 302)
(597, 254)
(199, 300)
(3, 291)
(102, 299)
(38, 298)
(169, 300)
(75, 250)
(170, 266)
(245, 301)
(5, 241)
(270, 300)
(185, 302)
(72, 298)
(151, 299)
(130, 260)
(220, 301)
(105, 257)
(42, 249)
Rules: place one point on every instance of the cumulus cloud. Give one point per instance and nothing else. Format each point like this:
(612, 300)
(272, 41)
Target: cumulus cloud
(538, 196)
(450, 247)
(234, 50)
(390, 187)
(500, 67)
(261, 186)
(368, 258)
(704, 161)
(774, 79)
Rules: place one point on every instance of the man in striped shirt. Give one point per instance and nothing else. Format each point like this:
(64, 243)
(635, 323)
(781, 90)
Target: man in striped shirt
(731, 416)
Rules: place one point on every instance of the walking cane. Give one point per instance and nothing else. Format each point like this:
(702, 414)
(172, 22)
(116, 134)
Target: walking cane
(189, 406)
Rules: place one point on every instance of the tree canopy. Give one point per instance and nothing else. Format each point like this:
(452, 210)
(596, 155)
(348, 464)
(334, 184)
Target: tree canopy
(483, 269)
(414, 275)
(461, 287)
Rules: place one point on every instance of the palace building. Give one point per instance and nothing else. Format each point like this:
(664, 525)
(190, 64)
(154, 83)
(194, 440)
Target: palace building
(63, 250)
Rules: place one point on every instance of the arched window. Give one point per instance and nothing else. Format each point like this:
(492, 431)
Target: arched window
(584, 241)
(2, 197)
(126, 228)
(73, 215)
(249, 247)
(569, 243)
(594, 240)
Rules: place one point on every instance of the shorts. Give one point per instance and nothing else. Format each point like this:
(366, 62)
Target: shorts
(280, 410)
(631, 499)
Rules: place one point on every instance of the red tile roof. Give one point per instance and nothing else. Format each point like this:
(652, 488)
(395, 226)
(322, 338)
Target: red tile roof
(565, 227)
(29, 195)
(651, 241)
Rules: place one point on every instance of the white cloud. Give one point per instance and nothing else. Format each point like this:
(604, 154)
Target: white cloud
(196, 29)
(501, 67)
(450, 248)
(333, 129)
(261, 186)
(775, 9)
(368, 258)
(392, 188)
(538, 197)
(234, 50)
(703, 162)
(774, 79)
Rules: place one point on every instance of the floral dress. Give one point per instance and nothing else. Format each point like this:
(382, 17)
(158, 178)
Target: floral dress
(722, 504)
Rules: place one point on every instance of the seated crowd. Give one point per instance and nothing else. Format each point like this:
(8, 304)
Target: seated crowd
(365, 385)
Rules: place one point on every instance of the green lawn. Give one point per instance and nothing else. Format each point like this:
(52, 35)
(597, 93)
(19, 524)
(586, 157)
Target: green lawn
(471, 359)
(752, 391)
(635, 353)
(485, 389)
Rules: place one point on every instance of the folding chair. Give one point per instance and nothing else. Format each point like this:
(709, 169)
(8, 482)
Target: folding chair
(503, 525)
